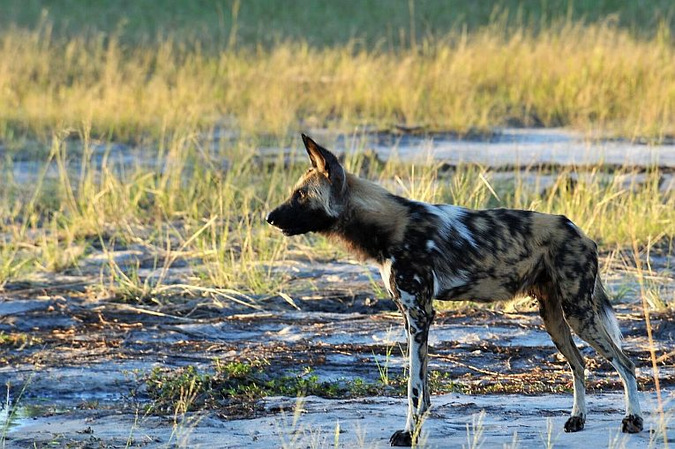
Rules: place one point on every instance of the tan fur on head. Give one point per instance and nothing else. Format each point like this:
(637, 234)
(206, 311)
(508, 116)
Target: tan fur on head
(317, 189)
(375, 204)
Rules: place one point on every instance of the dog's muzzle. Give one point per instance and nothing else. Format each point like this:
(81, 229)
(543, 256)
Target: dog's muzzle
(272, 217)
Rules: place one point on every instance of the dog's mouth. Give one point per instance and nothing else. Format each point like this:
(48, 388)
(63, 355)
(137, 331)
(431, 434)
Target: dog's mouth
(289, 231)
(292, 231)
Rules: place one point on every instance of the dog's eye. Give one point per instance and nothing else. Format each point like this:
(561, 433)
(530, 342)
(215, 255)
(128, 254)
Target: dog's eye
(300, 195)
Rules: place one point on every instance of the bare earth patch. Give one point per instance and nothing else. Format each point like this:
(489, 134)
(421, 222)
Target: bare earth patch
(77, 371)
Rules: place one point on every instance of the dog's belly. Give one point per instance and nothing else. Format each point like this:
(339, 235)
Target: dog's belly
(481, 290)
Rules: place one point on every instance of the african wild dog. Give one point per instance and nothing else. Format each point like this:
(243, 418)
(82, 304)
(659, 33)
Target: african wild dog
(446, 252)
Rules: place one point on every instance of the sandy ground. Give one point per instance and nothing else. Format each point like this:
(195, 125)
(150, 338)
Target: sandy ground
(487, 421)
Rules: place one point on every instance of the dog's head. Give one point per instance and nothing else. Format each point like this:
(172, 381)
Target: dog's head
(318, 197)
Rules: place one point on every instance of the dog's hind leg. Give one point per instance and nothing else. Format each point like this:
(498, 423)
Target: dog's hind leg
(418, 315)
(573, 268)
(589, 312)
(554, 321)
(591, 329)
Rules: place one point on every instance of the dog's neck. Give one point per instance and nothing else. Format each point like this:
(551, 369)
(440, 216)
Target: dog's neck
(372, 221)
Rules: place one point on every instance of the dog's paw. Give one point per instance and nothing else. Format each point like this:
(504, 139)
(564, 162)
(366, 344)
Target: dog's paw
(401, 438)
(575, 424)
(632, 424)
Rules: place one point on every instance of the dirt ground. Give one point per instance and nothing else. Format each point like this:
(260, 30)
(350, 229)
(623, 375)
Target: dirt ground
(75, 368)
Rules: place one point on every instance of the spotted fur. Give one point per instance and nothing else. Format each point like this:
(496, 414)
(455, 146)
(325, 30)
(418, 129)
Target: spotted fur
(446, 252)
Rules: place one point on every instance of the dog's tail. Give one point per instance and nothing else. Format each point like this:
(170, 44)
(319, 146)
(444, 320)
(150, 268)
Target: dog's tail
(606, 313)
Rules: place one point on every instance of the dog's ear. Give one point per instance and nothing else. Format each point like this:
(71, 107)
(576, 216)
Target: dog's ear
(319, 156)
(325, 162)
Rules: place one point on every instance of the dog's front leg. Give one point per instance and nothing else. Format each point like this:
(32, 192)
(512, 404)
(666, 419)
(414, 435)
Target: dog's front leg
(418, 314)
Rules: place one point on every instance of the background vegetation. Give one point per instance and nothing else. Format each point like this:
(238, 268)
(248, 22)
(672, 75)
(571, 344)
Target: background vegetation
(131, 68)
(320, 23)
(193, 90)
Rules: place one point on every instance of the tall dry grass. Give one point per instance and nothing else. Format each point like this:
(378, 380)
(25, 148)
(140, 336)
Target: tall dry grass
(592, 77)
(207, 204)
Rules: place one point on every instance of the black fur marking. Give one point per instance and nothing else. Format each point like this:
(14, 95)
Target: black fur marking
(401, 438)
(416, 280)
(415, 397)
(368, 237)
(421, 337)
(294, 217)
(632, 424)
(574, 424)
(517, 223)
(423, 371)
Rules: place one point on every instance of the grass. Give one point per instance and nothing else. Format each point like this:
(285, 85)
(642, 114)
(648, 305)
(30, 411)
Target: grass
(206, 209)
(234, 387)
(69, 93)
(9, 410)
(474, 433)
(597, 77)
(232, 382)
(216, 24)
(18, 340)
(663, 429)
(12, 261)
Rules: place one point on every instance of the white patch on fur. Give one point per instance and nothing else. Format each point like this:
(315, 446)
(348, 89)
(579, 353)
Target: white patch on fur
(407, 300)
(452, 219)
(579, 407)
(431, 245)
(385, 272)
(450, 282)
(630, 389)
(611, 324)
(607, 316)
